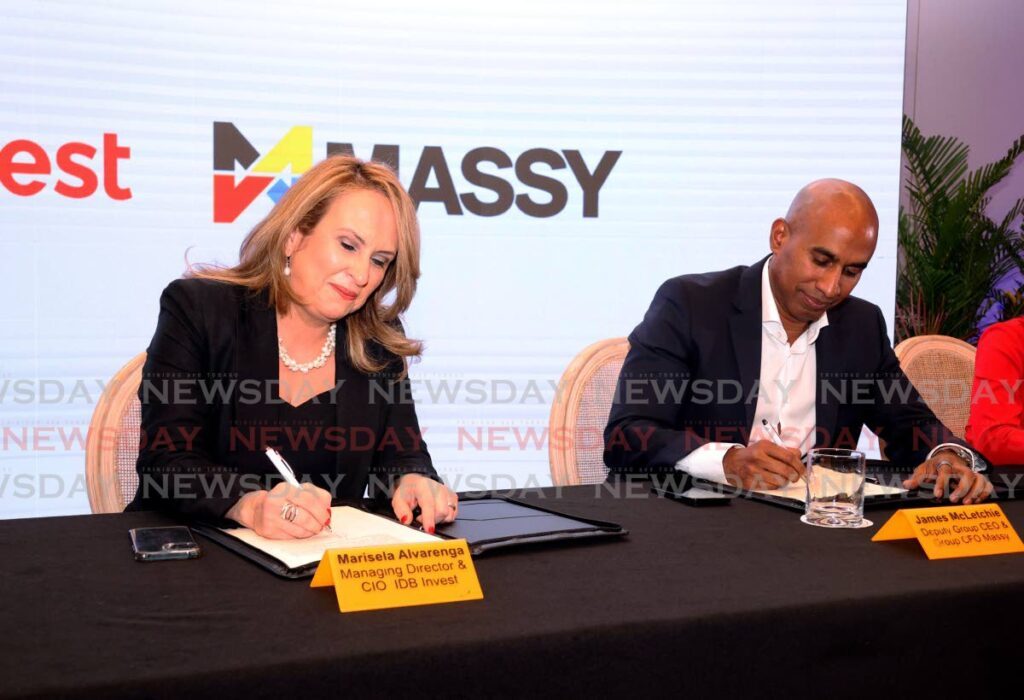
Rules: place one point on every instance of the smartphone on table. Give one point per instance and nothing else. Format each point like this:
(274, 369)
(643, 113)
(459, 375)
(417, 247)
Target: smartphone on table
(163, 543)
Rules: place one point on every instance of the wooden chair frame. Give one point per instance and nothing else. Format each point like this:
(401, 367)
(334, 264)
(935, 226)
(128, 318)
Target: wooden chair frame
(102, 443)
(566, 407)
(911, 348)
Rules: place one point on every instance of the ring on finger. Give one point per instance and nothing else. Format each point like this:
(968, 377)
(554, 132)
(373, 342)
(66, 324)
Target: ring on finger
(289, 511)
(944, 463)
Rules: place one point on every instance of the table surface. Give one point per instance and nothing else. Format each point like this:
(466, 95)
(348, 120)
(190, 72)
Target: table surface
(726, 601)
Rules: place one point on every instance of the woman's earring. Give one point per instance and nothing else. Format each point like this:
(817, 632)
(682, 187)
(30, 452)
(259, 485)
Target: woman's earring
(287, 266)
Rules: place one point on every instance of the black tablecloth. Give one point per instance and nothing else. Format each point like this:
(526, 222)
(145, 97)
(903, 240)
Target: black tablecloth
(724, 601)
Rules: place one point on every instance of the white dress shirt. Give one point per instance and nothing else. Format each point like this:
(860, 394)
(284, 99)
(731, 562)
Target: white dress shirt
(786, 391)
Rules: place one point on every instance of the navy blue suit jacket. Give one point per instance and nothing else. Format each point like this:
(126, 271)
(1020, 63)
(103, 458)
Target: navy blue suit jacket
(694, 364)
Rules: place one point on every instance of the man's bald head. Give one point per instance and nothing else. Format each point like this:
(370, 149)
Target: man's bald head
(820, 249)
(832, 203)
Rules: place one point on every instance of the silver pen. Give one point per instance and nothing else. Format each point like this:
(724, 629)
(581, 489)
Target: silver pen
(773, 434)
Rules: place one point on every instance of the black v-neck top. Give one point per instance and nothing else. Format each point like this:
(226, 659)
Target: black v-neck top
(309, 438)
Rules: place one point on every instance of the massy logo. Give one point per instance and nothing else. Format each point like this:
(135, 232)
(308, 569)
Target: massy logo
(491, 171)
(274, 173)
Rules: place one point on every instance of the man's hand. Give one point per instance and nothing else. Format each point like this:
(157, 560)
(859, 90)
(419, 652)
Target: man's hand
(945, 467)
(763, 465)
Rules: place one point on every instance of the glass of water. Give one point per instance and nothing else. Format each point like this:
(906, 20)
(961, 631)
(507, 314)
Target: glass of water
(835, 488)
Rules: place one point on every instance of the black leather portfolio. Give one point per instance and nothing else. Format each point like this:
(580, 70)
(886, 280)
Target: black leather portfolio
(486, 523)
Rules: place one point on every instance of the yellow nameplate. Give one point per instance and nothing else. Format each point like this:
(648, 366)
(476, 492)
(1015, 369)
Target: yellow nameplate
(954, 531)
(397, 575)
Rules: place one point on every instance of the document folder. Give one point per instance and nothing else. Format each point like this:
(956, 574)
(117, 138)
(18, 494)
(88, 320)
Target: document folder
(487, 524)
(495, 522)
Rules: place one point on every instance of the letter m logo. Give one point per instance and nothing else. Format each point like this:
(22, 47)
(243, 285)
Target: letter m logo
(234, 188)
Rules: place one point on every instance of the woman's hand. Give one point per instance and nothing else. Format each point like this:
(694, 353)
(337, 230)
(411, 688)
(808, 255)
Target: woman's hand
(437, 503)
(284, 512)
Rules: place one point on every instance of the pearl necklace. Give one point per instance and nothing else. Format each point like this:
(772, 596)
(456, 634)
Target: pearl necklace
(321, 359)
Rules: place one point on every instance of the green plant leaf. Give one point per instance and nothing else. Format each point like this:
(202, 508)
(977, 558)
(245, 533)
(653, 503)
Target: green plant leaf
(951, 253)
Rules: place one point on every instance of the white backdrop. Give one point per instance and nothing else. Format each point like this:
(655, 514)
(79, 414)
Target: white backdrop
(721, 111)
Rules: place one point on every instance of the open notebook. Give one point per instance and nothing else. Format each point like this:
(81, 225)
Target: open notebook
(797, 491)
(794, 495)
(297, 558)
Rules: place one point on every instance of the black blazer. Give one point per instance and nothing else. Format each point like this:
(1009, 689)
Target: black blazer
(702, 336)
(194, 458)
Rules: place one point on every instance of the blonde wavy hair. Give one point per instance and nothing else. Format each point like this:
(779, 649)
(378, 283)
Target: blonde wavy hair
(261, 257)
